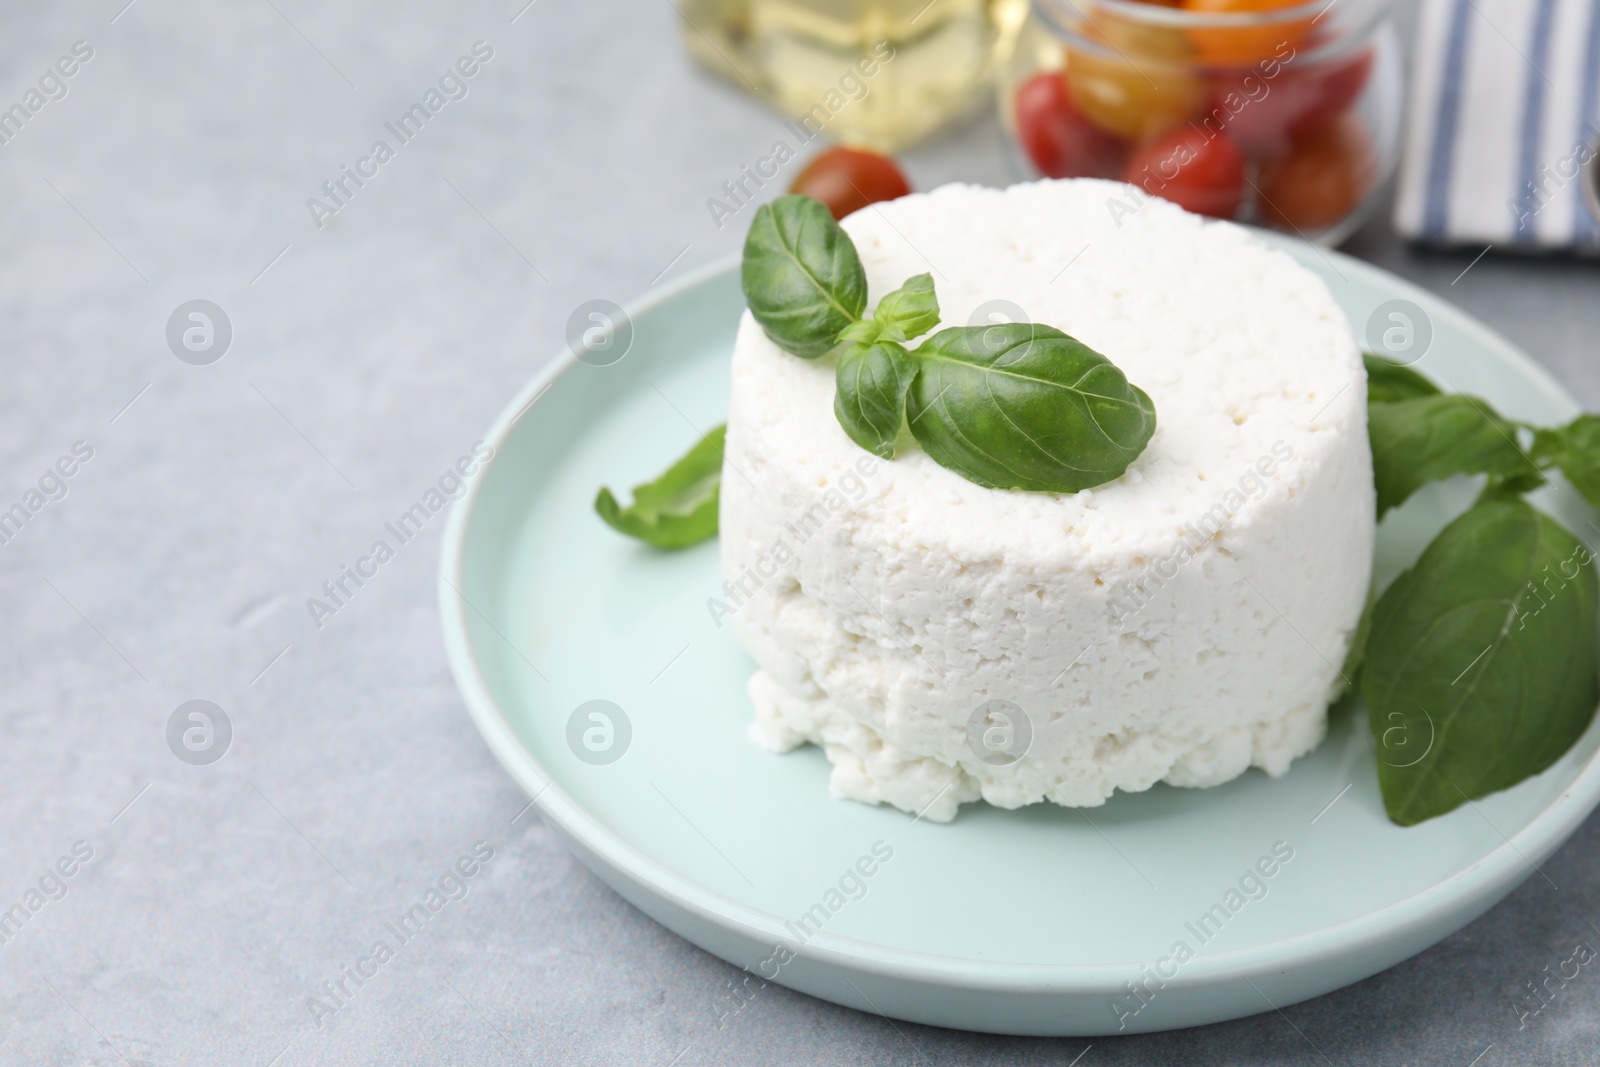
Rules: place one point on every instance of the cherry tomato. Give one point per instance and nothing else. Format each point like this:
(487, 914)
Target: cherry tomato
(1199, 173)
(1058, 139)
(1339, 85)
(1245, 44)
(1321, 180)
(1138, 80)
(848, 179)
(1265, 110)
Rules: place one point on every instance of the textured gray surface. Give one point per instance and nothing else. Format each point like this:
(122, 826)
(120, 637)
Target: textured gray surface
(365, 360)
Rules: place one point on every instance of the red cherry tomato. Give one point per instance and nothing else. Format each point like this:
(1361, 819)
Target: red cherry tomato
(1339, 83)
(1266, 109)
(1245, 44)
(1322, 180)
(1059, 140)
(848, 179)
(1199, 173)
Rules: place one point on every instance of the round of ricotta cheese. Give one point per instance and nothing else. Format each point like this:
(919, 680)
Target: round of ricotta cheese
(943, 642)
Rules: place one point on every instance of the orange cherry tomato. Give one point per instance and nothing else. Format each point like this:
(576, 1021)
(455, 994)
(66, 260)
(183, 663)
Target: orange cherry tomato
(1058, 139)
(1200, 173)
(848, 179)
(1322, 179)
(1137, 81)
(1246, 44)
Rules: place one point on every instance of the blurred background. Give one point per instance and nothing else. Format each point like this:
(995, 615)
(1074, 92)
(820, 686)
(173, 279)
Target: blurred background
(253, 337)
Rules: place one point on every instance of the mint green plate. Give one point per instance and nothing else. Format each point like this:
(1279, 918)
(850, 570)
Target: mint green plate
(1018, 922)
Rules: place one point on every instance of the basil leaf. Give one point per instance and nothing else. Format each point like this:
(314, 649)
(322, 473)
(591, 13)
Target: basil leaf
(1480, 667)
(1024, 406)
(1575, 448)
(910, 311)
(679, 508)
(801, 276)
(871, 394)
(1428, 438)
(1388, 381)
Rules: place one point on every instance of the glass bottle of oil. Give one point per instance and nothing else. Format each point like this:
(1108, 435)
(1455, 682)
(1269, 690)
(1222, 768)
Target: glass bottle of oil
(879, 73)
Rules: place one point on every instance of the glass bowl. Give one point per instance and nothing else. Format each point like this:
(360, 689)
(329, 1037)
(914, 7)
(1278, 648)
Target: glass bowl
(1287, 118)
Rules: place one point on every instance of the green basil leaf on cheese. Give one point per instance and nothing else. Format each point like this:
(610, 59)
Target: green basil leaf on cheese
(870, 395)
(1429, 438)
(1388, 381)
(910, 311)
(1480, 667)
(1024, 406)
(1575, 449)
(679, 508)
(801, 276)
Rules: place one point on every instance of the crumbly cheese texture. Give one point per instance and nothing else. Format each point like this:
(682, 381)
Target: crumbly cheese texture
(1181, 624)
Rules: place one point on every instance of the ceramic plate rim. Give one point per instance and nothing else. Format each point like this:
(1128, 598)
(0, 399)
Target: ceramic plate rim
(1477, 882)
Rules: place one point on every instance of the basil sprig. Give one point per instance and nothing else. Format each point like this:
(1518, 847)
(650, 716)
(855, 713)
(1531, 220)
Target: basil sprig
(1479, 666)
(679, 508)
(1012, 406)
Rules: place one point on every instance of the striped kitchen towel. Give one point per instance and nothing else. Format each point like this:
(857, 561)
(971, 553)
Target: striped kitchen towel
(1505, 115)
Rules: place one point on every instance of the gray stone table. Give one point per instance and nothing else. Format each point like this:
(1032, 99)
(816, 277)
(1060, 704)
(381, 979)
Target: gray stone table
(206, 903)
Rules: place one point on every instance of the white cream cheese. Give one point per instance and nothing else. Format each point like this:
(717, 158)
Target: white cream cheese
(1181, 624)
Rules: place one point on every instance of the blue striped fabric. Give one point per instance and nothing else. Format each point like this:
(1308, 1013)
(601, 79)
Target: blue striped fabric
(1446, 115)
(1532, 114)
(1504, 119)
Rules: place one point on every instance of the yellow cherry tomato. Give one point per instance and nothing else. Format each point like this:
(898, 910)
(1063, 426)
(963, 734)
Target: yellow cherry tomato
(1135, 81)
(1246, 44)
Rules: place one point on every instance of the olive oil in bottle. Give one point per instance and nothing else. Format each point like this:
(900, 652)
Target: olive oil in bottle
(878, 73)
